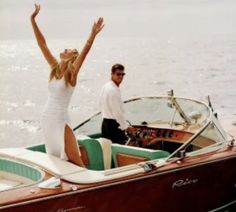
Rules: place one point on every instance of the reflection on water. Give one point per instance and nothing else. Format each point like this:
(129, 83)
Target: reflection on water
(150, 71)
(165, 48)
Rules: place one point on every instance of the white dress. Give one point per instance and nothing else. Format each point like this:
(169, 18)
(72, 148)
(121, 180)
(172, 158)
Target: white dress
(55, 117)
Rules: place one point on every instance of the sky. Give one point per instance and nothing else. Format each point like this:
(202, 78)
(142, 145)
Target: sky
(71, 18)
(127, 18)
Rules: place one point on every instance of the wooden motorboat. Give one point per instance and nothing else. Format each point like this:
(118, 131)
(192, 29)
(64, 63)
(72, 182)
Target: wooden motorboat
(179, 158)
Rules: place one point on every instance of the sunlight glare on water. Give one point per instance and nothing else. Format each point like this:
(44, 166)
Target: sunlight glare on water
(162, 45)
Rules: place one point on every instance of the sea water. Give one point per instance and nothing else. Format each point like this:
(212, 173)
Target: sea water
(187, 46)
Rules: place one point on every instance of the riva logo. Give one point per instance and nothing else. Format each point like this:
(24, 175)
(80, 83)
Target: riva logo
(184, 182)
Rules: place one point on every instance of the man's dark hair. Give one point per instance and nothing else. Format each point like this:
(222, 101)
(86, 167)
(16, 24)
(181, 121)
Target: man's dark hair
(117, 67)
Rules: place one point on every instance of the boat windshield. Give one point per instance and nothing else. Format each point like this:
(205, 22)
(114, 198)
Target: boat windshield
(173, 111)
(209, 136)
(151, 111)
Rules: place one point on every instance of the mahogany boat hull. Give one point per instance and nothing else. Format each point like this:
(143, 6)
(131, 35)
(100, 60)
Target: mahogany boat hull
(196, 187)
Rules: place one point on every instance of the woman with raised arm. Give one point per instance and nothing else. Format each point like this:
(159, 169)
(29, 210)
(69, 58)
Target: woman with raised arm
(59, 137)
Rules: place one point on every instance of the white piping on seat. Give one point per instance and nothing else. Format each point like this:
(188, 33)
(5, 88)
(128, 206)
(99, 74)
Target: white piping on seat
(106, 149)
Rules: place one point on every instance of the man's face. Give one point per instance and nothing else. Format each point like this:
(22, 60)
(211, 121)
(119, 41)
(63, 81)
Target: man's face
(118, 76)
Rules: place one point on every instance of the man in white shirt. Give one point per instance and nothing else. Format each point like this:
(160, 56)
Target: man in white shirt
(114, 123)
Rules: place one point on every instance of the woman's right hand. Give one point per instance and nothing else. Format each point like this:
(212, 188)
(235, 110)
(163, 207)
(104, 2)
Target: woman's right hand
(36, 11)
(97, 26)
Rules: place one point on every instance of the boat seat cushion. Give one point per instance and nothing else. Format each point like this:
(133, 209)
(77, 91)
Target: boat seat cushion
(98, 152)
(94, 153)
(138, 152)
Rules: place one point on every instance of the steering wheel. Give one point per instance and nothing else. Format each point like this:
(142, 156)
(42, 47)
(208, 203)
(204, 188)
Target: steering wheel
(133, 137)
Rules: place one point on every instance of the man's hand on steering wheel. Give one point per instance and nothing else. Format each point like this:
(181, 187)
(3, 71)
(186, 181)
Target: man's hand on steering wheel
(131, 131)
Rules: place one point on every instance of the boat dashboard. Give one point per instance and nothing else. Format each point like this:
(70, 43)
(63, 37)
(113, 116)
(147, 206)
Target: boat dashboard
(162, 138)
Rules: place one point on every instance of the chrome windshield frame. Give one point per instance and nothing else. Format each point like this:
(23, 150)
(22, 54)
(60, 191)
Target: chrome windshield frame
(170, 98)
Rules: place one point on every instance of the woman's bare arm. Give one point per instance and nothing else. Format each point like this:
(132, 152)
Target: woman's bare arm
(97, 27)
(40, 38)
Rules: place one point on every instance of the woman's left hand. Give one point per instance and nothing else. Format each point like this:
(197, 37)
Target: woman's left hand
(36, 11)
(97, 26)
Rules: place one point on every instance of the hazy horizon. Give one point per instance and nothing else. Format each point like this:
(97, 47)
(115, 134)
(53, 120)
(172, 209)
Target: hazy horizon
(185, 45)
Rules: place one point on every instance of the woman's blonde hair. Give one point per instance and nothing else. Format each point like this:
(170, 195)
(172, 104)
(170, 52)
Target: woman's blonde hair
(68, 69)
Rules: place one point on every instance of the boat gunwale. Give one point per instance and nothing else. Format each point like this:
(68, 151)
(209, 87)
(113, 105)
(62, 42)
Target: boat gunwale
(124, 180)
